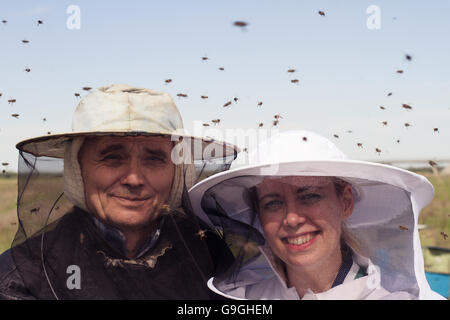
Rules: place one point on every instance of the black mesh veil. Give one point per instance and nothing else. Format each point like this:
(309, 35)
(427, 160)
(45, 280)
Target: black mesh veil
(63, 252)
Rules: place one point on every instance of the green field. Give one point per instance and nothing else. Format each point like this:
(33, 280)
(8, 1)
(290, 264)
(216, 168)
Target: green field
(436, 216)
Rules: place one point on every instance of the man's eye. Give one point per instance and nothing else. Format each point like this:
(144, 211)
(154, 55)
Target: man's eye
(112, 157)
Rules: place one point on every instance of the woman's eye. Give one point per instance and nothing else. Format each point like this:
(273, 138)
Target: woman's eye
(310, 197)
(272, 204)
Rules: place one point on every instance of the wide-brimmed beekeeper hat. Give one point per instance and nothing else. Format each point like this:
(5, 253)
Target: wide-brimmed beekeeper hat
(388, 201)
(115, 110)
(123, 110)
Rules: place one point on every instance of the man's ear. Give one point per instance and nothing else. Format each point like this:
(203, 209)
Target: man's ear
(348, 201)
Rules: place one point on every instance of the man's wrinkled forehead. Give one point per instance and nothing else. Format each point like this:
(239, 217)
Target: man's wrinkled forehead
(160, 144)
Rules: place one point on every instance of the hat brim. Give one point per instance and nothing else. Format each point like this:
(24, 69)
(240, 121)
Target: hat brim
(353, 171)
(54, 145)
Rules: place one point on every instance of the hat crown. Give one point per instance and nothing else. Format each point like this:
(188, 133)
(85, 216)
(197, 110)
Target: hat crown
(292, 146)
(124, 108)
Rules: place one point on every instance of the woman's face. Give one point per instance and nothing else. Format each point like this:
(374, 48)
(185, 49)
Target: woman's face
(302, 217)
(127, 179)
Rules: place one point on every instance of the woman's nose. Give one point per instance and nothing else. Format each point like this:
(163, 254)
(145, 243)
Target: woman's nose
(294, 216)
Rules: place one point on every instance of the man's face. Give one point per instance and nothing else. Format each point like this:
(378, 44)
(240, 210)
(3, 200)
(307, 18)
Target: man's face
(126, 179)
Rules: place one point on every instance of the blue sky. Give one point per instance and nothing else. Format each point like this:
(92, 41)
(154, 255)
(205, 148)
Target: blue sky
(345, 69)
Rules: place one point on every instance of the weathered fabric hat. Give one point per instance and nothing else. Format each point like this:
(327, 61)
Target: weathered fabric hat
(388, 201)
(122, 110)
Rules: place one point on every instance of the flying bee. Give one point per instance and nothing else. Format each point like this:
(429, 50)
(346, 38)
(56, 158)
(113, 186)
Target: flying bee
(4, 21)
(77, 94)
(182, 95)
(399, 71)
(44, 119)
(259, 104)
(432, 163)
(277, 116)
(377, 150)
(382, 108)
(221, 68)
(260, 125)
(408, 57)
(25, 41)
(291, 70)
(305, 139)
(407, 124)
(406, 106)
(168, 80)
(206, 124)
(321, 13)
(15, 115)
(398, 141)
(165, 208)
(205, 58)
(436, 130)
(389, 94)
(336, 136)
(204, 97)
(12, 101)
(215, 121)
(201, 233)
(403, 228)
(227, 103)
(86, 88)
(294, 81)
(384, 123)
(443, 234)
(235, 99)
(245, 150)
(240, 24)
(275, 122)
(39, 22)
(5, 164)
(359, 144)
(48, 132)
(27, 69)
(34, 211)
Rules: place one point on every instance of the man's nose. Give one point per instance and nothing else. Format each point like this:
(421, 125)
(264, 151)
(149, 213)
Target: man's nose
(133, 176)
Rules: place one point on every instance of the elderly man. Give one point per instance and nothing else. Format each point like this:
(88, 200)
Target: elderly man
(122, 228)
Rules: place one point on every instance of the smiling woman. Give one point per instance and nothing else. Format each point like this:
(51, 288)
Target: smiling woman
(305, 222)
